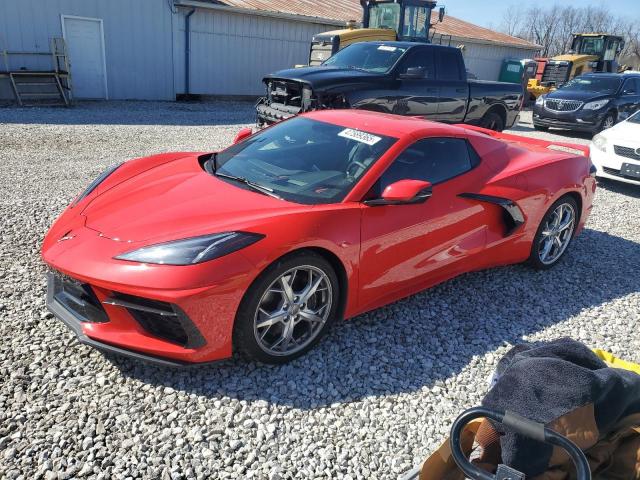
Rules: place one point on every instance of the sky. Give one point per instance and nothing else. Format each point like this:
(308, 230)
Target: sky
(489, 14)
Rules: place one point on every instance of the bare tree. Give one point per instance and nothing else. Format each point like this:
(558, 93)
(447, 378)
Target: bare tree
(552, 28)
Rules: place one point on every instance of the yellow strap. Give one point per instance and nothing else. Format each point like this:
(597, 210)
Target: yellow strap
(615, 362)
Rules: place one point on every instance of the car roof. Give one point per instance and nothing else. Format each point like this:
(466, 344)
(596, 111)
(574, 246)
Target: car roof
(383, 123)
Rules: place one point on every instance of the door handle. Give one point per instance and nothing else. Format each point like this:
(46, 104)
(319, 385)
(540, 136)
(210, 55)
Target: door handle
(461, 90)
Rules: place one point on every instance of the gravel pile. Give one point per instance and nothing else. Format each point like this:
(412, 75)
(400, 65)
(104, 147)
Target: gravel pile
(371, 401)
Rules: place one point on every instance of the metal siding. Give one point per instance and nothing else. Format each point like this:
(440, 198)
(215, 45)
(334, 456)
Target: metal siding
(137, 34)
(231, 52)
(486, 60)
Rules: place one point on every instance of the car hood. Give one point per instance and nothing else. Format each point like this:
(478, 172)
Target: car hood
(177, 200)
(577, 95)
(626, 132)
(319, 77)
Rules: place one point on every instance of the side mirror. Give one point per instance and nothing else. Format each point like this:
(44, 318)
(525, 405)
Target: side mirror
(631, 91)
(242, 134)
(413, 73)
(403, 192)
(441, 14)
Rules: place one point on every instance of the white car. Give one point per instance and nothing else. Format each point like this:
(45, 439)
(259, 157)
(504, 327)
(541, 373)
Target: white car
(615, 152)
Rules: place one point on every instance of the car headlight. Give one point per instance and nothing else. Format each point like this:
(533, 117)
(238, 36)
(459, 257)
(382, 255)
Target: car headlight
(93, 185)
(190, 251)
(540, 101)
(600, 142)
(597, 105)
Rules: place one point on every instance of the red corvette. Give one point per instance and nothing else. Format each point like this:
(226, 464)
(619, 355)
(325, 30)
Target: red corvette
(180, 258)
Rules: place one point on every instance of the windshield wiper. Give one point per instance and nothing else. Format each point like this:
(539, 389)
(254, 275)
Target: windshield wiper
(254, 186)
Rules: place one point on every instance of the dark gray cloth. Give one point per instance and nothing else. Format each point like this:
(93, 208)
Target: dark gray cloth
(545, 381)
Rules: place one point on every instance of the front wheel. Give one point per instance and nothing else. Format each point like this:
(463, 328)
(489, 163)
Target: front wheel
(554, 234)
(608, 121)
(287, 309)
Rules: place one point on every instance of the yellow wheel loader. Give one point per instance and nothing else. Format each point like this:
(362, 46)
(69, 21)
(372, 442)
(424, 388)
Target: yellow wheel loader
(407, 20)
(590, 52)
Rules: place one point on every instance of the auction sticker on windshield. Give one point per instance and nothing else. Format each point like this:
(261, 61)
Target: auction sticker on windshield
(358, 136)
(387, 48)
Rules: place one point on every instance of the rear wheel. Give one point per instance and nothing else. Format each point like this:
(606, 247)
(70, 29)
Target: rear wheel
(554, 233)
(287, 309)
(492, 121)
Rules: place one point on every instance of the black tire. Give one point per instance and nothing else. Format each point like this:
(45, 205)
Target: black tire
(492, 121)
(244, 334)
(607, 122)
(534, 257)
(540, 128)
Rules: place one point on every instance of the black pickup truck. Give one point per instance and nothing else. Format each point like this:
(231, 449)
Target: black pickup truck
(404, 78)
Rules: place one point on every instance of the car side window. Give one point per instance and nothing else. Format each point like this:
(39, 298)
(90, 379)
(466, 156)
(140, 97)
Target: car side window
(630, 86)
(419, 58)
(448, 65)
(431, 159)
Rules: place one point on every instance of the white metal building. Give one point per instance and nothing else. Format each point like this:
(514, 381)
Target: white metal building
(138, 49)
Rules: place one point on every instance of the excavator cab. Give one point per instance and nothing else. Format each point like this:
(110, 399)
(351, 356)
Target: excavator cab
(605, 47)
(407, 20)
(590, 52)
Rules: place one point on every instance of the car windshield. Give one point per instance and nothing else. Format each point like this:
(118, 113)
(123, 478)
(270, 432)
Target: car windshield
(370, 57)
(303, 160)
(597, 84)
(635, 118)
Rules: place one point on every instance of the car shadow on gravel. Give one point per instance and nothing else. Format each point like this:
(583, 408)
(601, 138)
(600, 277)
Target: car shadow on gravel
(203, 113)
(619, 187)
(424, 339)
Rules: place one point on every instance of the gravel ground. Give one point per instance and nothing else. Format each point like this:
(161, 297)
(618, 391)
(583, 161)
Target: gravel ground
(372, 400)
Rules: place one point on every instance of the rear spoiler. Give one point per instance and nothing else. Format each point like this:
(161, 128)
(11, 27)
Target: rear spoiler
(582, 150)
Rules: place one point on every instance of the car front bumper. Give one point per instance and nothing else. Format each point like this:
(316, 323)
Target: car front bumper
(164, 314)
(579, 120)
(608, 165)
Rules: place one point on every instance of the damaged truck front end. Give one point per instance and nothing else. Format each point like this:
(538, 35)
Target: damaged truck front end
(286, 98)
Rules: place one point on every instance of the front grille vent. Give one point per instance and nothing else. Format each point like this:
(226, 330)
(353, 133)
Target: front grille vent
(562, 105)
(160, 319)
(627, 152)
(79, 298)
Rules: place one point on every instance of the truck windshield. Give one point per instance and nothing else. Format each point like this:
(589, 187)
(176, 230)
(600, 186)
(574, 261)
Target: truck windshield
(590, 45)
(370, 57)
(593, 84)
(302, 160)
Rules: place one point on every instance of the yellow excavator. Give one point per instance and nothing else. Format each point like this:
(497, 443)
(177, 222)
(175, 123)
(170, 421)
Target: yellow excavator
(590, 52)
(407, 20)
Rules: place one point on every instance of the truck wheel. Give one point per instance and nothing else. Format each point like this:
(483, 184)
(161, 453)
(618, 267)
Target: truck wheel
(492, 121)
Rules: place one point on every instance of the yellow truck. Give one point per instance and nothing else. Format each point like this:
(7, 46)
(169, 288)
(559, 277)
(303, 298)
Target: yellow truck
(590, 52)
(407, 20)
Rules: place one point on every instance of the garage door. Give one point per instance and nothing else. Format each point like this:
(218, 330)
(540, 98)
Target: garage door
(85, 45)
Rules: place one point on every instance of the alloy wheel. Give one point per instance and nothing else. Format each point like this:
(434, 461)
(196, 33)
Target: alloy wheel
(293, 310)
(556, 234)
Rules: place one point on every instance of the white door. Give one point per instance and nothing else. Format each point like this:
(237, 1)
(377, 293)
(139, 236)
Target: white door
(85, 47)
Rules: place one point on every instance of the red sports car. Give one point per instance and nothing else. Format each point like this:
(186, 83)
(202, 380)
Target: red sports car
(181, 258)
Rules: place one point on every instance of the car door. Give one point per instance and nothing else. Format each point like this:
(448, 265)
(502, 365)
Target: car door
(453, 86)
(408, 247)
(418, 93)
(629, 100)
